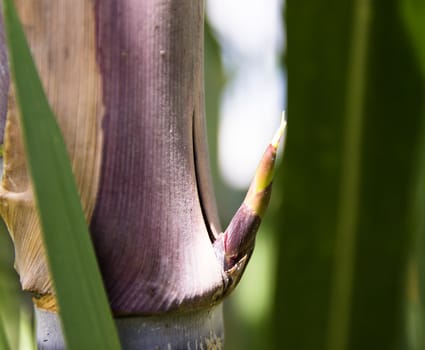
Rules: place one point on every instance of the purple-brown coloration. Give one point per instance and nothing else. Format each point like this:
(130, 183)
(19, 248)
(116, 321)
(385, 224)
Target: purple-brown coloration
(239, 237)
(238, 241)
(4, 79)
(150, 225)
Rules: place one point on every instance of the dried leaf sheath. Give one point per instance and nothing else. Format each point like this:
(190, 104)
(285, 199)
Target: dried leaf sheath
(18, 211)
(62, 40)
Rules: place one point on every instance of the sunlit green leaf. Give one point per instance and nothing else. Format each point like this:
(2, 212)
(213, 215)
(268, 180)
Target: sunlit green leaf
(3, 339)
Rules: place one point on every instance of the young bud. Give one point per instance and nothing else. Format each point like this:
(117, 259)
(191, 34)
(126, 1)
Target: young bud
(236, 244)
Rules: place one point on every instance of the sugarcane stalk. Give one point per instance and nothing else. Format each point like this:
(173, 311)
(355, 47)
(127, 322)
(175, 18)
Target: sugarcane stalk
(125, 81)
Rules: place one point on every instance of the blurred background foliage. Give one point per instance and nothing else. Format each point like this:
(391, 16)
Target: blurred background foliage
(244, 89)
(348, 243)
(339, 258)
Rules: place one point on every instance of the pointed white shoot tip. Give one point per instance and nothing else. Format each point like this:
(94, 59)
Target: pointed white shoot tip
(279, 133)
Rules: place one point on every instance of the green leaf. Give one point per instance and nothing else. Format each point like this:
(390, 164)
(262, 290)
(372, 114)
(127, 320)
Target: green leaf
(86, 318)
(349, 176)
(10, 292)
(414, 14)
(4, 345)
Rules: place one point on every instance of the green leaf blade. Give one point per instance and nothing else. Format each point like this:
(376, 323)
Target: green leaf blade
(349, 176)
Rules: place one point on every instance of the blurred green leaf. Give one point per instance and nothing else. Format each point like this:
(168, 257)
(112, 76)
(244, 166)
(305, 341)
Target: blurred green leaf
(349, 175)
(4, 345)
(10, 293)
(414, 12)
(27, 339)
(86, 319)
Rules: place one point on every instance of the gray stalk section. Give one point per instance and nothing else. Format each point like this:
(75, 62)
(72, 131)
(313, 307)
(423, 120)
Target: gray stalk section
(190, 330)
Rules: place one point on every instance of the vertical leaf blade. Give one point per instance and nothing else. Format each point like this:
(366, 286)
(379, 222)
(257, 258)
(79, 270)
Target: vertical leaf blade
(85, 315)
(414, 14)
(350, 180)
(349, 176)
(10, 296)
